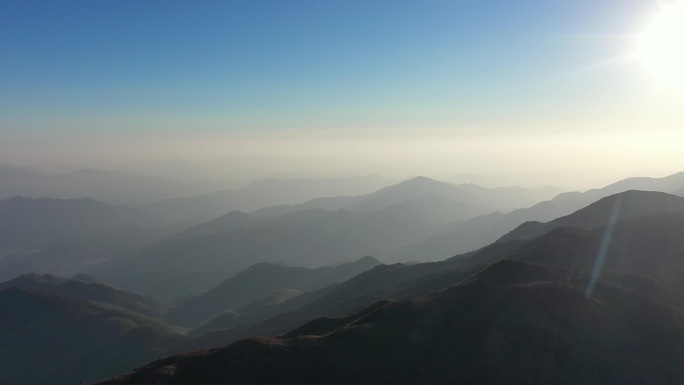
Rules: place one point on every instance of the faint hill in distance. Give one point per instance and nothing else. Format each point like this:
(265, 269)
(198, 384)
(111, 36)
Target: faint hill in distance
(29, 222)
(63, 235)
(481, 180)
(261, 194)
(430, 192)
(109, 186)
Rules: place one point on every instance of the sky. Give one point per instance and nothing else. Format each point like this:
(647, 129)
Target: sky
(532, 87)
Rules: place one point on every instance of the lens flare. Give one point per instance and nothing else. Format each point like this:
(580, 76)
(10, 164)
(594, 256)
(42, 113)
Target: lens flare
(662, 47)
(604, 247)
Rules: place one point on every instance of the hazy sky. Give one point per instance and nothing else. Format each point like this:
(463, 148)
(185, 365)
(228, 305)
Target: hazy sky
(468, 85)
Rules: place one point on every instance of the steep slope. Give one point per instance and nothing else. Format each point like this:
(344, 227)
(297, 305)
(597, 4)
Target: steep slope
(478, 232)
(650, 246)
(625, 205)
(260, 280)
(534, 329)
(384, 281)
(248, 313)
(87, 289)
(51, 339)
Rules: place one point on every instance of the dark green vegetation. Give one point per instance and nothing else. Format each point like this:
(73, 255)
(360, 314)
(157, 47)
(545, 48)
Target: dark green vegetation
(525, 319)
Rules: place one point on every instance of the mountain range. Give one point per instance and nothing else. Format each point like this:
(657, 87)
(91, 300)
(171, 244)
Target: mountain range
(260, 280)
(323, 231)
(445, 202)
(583, 288)
(257, 195)
(512, 323)
(113, 187)
(480, 231)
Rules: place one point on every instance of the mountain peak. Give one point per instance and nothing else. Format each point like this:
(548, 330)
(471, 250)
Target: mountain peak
(421, 180)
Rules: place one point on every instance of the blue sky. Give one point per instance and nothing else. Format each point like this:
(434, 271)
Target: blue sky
(283, 70)
(268, 65)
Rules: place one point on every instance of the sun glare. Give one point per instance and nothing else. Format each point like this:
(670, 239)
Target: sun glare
(662, 47)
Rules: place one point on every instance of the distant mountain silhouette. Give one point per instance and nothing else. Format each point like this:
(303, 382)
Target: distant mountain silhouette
(372, 224)
(261, 194)
(477, 232)
(170, 286)
(48, 338)
(258, 281)
(646, 237)
(530, 307)
(646, 244)
(108, 186)
(305, 238)
(238, 220)
(451, 202)
(62, 235)
(27, 222)
(513, 323)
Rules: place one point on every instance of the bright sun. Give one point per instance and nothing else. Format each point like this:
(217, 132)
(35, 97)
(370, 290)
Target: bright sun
(662, 47)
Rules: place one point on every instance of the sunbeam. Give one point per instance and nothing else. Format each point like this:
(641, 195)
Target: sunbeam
(605, 245)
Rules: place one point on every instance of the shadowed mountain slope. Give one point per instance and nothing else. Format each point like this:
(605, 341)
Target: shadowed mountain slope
(51, 339)
(250, 313)
(513, 323)
(87, 289)
(480, 231)
(650, 246)
(304, 239)
(645, 235)
(629, 204)
(260, 280)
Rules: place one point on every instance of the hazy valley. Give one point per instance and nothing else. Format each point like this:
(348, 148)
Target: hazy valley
(320, 277)
(341, 192)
